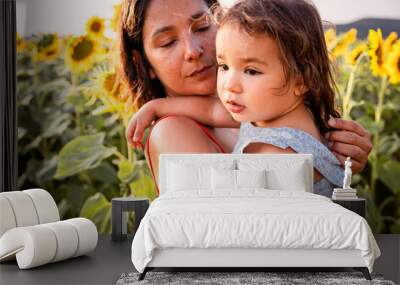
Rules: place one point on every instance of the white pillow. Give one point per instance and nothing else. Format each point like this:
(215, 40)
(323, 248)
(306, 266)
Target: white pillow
(251, 178)
(184, 175)
(181, 178)
(281, 174)
(236, 179)
(223, 179)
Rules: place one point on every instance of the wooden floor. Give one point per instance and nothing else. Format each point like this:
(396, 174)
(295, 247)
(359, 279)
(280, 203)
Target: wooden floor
(110, 259)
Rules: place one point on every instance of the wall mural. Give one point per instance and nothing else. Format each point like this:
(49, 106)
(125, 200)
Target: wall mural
(73, 107)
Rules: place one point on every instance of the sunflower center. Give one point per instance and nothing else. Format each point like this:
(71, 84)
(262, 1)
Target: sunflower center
(50, 53)
(109, 82)
(379, 54)
(82, 50)
(45, 41)
(357, 55)
(95, 27)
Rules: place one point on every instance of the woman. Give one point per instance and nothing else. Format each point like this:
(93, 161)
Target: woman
(168, 49)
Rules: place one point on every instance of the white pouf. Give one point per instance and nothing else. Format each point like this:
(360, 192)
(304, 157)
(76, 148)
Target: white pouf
(31, 230)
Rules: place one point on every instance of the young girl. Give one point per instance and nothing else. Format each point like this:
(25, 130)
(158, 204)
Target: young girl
(274, 82)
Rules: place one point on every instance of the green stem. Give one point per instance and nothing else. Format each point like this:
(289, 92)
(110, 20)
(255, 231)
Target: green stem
(376, 140)
(119, 155)
(349, 89)
(74, 85)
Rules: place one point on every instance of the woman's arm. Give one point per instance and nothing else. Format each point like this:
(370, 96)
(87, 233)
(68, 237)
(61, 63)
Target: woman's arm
(349, 139)
(207, 110)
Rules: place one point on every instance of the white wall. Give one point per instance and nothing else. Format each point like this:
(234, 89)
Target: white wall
(62, 16)
(70, 16)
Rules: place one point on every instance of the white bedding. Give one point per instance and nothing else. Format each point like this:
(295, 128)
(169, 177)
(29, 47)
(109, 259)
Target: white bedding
(252, 218)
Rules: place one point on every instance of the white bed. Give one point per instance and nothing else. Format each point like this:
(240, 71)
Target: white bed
(195, 224)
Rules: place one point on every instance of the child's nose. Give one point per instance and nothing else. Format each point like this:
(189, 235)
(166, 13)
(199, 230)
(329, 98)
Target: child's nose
(232, 83)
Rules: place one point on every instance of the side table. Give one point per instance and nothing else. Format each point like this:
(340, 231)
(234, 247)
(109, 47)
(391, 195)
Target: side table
(356, 205)
(120, 208)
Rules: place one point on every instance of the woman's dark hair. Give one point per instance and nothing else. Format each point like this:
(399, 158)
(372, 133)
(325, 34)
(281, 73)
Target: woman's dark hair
(296, 27)
(135, 66)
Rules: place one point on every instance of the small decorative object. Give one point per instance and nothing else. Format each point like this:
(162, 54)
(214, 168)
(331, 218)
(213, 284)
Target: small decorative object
(347, 174)
(345, 193)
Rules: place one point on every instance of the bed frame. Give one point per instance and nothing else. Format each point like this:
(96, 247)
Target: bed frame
(242, 258)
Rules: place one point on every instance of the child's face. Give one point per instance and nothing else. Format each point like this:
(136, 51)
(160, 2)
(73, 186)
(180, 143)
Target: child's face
(251, 80)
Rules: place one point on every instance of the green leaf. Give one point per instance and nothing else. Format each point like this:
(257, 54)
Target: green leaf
(56, 124)
(98, 209)
(389, 144)
(93, 205)
(104, 173)
(144, 186)
(395, 228)
(126, 171)
(82, 153)
(389, 174)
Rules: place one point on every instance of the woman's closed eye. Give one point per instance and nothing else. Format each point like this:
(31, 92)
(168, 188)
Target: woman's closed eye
(167, 43)
(201, 28)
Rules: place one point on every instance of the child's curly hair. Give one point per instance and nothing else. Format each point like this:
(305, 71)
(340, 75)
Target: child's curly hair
(296, 27)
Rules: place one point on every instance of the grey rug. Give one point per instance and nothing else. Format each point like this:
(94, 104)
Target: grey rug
(231, 278)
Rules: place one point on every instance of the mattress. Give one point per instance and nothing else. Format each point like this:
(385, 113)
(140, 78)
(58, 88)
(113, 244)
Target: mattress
(250, 219)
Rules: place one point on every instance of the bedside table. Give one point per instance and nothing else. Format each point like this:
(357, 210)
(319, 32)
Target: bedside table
(120, 207)
(358, 205)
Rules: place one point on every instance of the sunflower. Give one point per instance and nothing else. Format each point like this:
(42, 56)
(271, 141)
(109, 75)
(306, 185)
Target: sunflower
(344, 41)
(48, 48)
(107, 86)
(114, 22)
(95, 27)
(356, 53)
(393, 63)
(20, 43)
(330, 37)
(376, 52)
(389, 41)
(82, 53)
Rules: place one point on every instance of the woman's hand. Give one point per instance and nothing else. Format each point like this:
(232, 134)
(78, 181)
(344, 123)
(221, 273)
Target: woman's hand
(349, 139)
(138, 123)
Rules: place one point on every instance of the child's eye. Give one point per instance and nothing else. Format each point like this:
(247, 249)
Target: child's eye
(223, 67)
(252, 72)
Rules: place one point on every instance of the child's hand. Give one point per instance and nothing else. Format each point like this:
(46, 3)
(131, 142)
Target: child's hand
(138, 123)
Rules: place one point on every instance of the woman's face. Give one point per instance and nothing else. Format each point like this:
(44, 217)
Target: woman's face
(179, 43)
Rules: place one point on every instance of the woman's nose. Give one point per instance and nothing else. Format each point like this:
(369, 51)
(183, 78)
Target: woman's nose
(193, 49)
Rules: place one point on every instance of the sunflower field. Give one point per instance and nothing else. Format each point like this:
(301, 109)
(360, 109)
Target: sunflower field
(74, 106)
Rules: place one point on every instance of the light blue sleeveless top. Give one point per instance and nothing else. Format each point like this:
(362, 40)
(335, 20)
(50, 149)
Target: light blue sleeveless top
(324, 161)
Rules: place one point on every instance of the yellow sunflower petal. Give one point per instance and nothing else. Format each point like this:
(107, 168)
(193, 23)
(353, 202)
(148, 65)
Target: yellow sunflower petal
(389, 41)
(114, 23)
(344, 41)
(376, 53)
(393, 63)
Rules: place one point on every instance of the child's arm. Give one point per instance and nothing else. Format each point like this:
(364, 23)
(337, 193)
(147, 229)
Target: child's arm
(207, 110)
